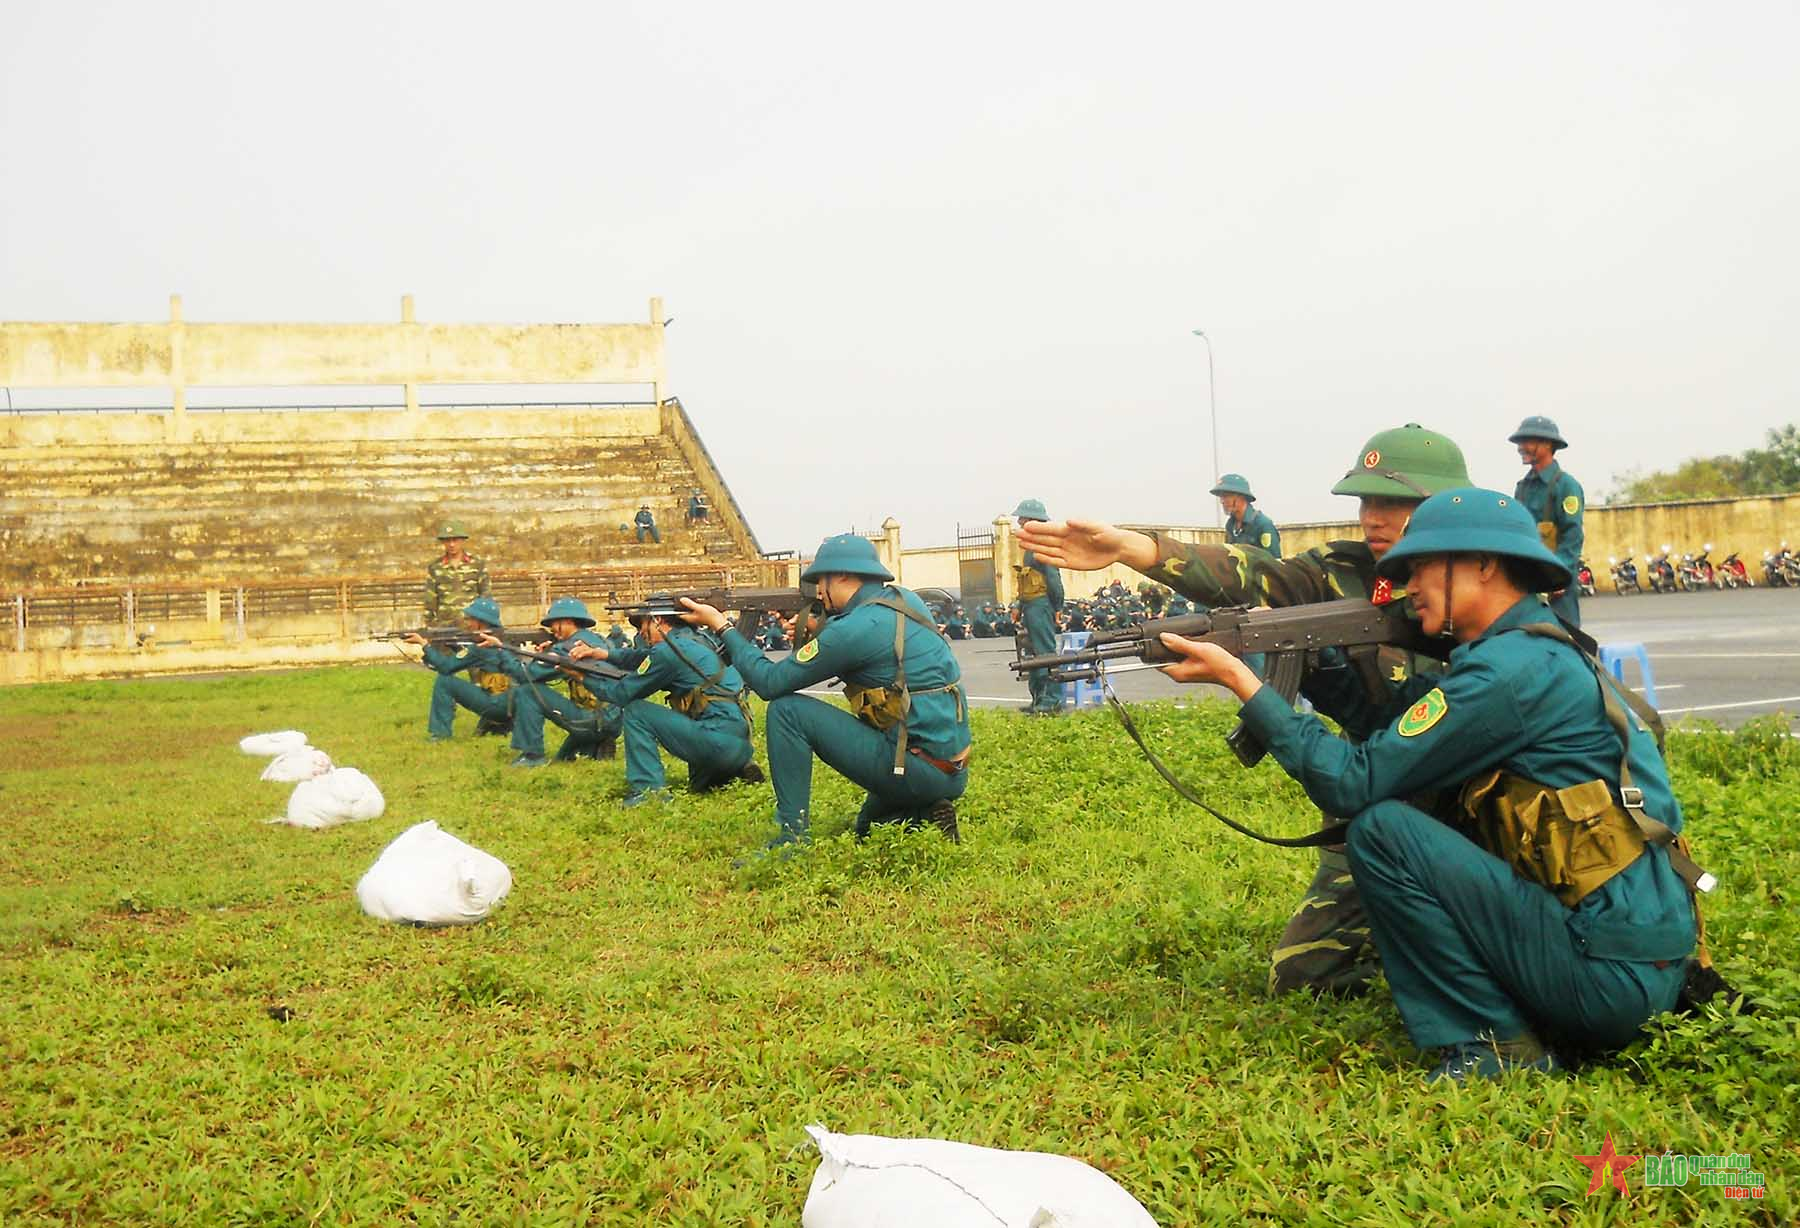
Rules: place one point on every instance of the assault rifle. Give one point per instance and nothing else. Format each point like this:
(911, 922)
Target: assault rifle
(592, 667)
(1291, 636)
(752, 604)
(458, 637)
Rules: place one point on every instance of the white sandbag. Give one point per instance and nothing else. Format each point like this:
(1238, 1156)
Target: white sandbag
(429, 877)
(272, 743)
(342, 795)
(302, 764)
(866, 1181)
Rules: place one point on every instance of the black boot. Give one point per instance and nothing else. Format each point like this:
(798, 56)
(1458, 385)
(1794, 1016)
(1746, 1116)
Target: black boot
(943, 817)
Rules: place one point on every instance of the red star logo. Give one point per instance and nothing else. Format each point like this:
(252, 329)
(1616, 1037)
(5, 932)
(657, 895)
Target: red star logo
(1608, 1159)
(1372, 459)
(1384, 592)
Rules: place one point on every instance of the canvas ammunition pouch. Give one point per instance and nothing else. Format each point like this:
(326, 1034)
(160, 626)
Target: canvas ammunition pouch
(695, 701)
(491, 681)
(885, 707)
(1569, 840)
(583, 697)
(1547, 532)
(1031, 582)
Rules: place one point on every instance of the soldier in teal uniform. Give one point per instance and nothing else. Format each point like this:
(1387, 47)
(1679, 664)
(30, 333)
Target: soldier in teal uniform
(707, 721)
(592, 723)
(646, 525)
(1244, 524)
(616, 637)
(1327, 946)
(484, 692)
(1549, 910)
(905, 739)
(1555, 500)
(1040, 590)
(957, 628)
(984, 621)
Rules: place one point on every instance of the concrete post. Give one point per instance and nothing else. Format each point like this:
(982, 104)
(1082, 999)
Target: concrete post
(887, 547)
(1006, 549)
(661, 384)
(19, 620)
(412, 365)
(213, 605)
(237, 603)
(128, 604)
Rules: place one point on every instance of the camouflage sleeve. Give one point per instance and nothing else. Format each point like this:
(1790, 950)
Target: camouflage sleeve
(434, 594)
(482, 586)
(1241, 575)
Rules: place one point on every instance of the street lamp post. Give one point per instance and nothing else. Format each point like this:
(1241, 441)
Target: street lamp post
(1212, 401)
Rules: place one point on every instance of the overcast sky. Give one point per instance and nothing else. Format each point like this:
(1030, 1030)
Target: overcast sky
(926, 259)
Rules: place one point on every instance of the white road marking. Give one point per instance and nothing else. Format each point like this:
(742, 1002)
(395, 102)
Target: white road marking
(1720, 656)
(1748, 703)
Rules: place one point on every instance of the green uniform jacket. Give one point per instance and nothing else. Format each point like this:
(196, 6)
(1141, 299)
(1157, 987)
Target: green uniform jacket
(1526, 704)
(857, 645)
(683, 661)
(1553, 497)
(1256, 530)
(536, 671)
(451, 586)
(474, 657)
(1215, 576)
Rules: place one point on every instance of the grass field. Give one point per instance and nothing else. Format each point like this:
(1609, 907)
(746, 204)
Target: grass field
(200, 1027)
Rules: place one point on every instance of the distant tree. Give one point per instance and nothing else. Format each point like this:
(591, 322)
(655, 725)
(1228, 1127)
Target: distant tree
(1772, 469)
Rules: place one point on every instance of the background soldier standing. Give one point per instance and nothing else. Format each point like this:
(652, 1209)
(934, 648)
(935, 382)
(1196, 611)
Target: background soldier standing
(455, 578)
(1555, 501)
(1040, 589)
(1245, 525)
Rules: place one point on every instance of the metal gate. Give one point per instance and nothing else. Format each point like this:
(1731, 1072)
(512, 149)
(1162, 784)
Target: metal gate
(975, 565)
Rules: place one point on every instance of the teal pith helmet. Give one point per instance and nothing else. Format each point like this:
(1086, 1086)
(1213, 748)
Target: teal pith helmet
(1233, 484)
(1539, 427)
(1031, 509)
(572, 608)
(847, 554)
(450, 529)
(1475, 521)
(1408, 462)
(483, 609)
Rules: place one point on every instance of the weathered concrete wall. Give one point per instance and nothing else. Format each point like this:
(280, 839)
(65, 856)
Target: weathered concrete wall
(132, 497)
(931, 567)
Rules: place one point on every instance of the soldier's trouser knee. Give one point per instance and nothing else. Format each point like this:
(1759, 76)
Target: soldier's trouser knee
(448, 691)
(801, 726)
(534, 703)
(712, 754)
(1471, 949)
(1040, 626)
(1568, 606)
(1326, 947)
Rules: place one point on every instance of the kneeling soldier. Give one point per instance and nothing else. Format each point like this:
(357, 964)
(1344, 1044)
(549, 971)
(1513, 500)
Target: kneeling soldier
(1554, 905)
(707, 722)
(908, 742)
(592, 724)
(485, 692)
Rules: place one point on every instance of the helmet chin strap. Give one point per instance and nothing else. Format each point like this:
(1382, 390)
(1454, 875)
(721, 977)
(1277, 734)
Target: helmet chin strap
(1448, 631)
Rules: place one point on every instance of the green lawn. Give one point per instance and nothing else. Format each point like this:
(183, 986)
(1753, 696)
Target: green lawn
(200, 1027)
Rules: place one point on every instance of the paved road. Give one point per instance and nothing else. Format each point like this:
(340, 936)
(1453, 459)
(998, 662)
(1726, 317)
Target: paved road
(1721, 656)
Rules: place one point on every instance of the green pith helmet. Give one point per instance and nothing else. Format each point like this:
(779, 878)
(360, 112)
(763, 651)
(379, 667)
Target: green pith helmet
(452, 529)
(1475, 521)
(1539, 427)
(572, 608)
(1031, 509)
(483, 609)
(1233, 484)
(847, 554)
(1408, 462)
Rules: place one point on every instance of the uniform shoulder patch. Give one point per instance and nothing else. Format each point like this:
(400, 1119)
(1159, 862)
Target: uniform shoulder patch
(1571, 505)
(644, 666)
(807, 652)
(1424, 714)
(1265, 541)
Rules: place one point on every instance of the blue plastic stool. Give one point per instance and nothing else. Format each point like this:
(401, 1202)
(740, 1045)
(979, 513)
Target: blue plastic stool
(1079, 694)
(1613, 658)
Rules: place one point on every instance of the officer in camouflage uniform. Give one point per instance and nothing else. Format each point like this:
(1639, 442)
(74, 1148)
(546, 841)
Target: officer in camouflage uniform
(455, 578)
(906, 738)
(1326, 946)
(707, 722)
(1040, 591)
(1550, 905)
(485, 692)
(593, 724)
(1244, 524)
(1555, 500)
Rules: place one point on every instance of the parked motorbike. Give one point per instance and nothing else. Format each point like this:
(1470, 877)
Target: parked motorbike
(1584, 577)
(1661, 572)
(1733, 573)
(1696, 571)
(1781, 568)
(1625, 576)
